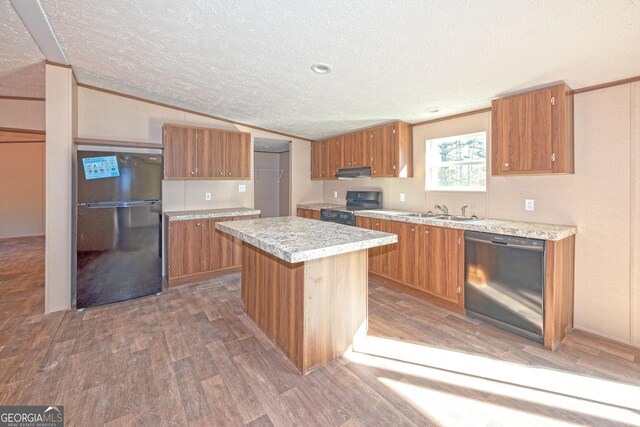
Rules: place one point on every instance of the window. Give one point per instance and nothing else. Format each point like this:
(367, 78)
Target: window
(457, 163)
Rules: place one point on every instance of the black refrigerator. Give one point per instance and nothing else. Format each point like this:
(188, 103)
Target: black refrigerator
(118, 225)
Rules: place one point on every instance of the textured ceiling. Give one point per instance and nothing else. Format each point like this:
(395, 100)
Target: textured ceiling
(21, 62)
(250, 60)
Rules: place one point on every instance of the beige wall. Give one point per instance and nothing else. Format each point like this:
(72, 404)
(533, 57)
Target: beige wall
(106, 116)
(285, 187)
(22, 171)
(61, 126)
(21, 189)
(22, 114)
(635, 209)
(267, 190)
(602, 198)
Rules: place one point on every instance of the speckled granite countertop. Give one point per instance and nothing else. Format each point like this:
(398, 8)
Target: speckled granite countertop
(531, 230)
(296, 239)
(318, 206)
(210, 213)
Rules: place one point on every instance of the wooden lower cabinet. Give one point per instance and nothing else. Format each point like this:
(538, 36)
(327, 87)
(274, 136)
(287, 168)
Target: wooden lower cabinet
(308, 213)
(196, 249)
(425, 259)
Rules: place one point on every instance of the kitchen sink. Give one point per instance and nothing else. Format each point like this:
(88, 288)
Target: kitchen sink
(421, 215)
(455, 218)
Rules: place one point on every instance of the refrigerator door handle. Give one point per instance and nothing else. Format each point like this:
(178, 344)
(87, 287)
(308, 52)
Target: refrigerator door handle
(129, 204)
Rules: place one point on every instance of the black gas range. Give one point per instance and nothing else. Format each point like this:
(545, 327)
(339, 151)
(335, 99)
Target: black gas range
(356, 201)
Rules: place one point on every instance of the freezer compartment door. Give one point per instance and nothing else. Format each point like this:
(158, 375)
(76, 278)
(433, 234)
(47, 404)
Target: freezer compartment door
(119, 252)
(105, 176)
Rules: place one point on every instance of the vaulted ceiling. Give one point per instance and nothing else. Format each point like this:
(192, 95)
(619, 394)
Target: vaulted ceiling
(250, 60)
(21, 62)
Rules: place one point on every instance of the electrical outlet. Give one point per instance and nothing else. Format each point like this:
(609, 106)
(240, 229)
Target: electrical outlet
(207, 196)
(529, 205)
(402, 197)
(242, 188)
(335, 194)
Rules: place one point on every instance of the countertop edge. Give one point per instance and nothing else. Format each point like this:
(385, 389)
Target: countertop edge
(311, 254)
(209, 213)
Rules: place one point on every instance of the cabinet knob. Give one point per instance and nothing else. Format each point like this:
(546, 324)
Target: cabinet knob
(221, 173)
(506, 165)
(229, 174)
(193, 173)
(198, 224)
(426, 231)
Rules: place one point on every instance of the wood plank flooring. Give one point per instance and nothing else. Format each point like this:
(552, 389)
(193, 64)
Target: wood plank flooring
(191, 357)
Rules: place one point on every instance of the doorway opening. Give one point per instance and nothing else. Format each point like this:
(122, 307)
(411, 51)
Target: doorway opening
(272, 177)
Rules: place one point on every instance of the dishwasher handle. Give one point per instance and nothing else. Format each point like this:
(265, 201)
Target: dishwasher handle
(539, 248)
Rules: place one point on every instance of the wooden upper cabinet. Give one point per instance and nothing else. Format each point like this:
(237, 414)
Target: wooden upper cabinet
(205, 153)
(237, 154)
(362, 148)
(532, 132)
(317, 159)
(384, 151)
(348, 151)
(179, 152)
(211, 153)
(387, 149)
(332, 150)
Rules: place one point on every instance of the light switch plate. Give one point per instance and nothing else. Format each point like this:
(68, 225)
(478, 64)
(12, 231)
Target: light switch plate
(402, 198)
(207, 196)
(335, 194)
(242, 188)
(529, 205)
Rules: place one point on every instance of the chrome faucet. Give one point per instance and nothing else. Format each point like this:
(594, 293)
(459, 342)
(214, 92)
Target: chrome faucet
(464, 210)
(443, 208)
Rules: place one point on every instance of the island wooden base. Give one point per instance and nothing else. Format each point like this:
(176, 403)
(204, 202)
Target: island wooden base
(314, 311)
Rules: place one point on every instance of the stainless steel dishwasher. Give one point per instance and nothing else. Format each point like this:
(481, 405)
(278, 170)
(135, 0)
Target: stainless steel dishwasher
(504, 282)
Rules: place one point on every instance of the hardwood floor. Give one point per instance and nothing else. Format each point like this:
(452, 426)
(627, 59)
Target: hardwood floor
(191, 357)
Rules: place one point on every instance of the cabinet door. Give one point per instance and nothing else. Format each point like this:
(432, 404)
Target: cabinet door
(384, 146)
(222, 245)
(331, 157)
(179, 152)
(390, 253)
(347, 151)
(443, 260)
(421, 260)
(237, 152)
(375, 254)
(362, 148)
(211, 153)
(186, 245)
(406, 253)
(308, 213)
(317, 159)
(523, 133)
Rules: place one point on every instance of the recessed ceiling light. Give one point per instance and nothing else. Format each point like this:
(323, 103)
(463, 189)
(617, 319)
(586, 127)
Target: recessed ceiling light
(432, 110)
(321, 68)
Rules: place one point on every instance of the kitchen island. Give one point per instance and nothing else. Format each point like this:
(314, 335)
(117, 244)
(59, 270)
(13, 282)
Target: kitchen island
(304, 283)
